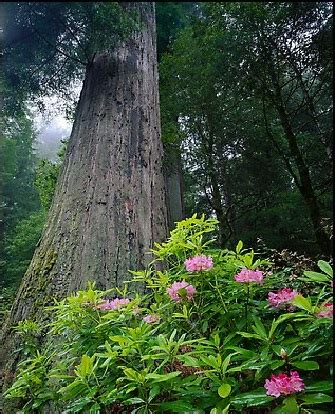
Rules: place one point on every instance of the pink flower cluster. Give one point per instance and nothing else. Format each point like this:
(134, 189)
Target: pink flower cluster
(113, 304)
(283, 384)
(282, 297)
(151, 318)
(198, 263)
(249, 276)
(181, 290)
(326, 312)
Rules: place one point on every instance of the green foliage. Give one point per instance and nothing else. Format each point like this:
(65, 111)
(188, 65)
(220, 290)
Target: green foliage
(186, 239)
(171, 17)
(22, 239)
(210, 354)
(46, 177)
(21, 244)
(221, 106)
(48, 45)
(18, 195)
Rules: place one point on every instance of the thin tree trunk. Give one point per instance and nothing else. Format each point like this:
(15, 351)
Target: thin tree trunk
(110, 202)
(305, 183)
(174, 188)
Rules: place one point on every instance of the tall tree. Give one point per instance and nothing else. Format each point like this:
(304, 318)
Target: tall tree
(171, 17)
(251, 88)
(109, 204)
(18, 196)
(277, 51)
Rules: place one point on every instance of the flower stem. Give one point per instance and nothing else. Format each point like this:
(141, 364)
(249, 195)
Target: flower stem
(246, 309)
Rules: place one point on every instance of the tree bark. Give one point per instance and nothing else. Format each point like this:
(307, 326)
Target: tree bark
(110, 201)
(174, 191)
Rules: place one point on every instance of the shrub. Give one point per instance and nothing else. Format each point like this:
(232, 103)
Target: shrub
(215, 332)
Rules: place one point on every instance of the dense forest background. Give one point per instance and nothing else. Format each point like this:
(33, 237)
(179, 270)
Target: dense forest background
(246, 112)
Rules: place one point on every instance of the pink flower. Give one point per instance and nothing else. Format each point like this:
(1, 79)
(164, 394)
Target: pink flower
(151, 318)
(198, 263)
(247, 276)
(282, 297)
(326, 311)
(113, 304)
(181, 290)
(283, 384)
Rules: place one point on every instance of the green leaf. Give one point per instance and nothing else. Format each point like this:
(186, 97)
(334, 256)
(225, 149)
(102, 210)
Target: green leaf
(225, 363)
(224, 390)
(71, 391)
(325, 267)
(283, 318)
(316, 399)
(259, 328)
(85, 367)
(189, 361)
(320, 386)
(134, 400)
(210, 360)
(154, 391)
(316, 277)
(176, 407)
(252, 398)
(276, 364)
(162, 377)
(306, 365)
(303, 303)
(239, 246)
(220, 410)
(249, 335)
(289, 406)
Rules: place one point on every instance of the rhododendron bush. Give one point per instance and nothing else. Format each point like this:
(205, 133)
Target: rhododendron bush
(215, 332)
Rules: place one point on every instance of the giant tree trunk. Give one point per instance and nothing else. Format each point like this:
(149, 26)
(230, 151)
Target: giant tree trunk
(109, 206)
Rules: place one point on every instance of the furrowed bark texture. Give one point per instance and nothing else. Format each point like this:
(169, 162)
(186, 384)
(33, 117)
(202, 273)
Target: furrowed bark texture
(110, 202)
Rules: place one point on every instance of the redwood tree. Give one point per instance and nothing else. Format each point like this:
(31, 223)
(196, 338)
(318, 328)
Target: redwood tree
(109, 206)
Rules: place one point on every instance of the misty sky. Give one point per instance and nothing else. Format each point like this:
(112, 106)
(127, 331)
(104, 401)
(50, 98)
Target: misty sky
(52, 126)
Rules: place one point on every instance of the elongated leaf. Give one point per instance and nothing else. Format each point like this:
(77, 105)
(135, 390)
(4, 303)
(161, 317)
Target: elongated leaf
(162, 377)
(210, 360)
(225, 363)
(252, 398)
(155, 390)
(320, 386)
(283, 318)
(316, 277)
(72, 390)
(306, 365)
(177, 407)
(239, 246)
(325, 267)
(85, 367)
(189, 361)
(259, 328)
(276, 364)
(249, 335)
(132, 374)
(134, 400)
(303, 303)
(316, 399)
